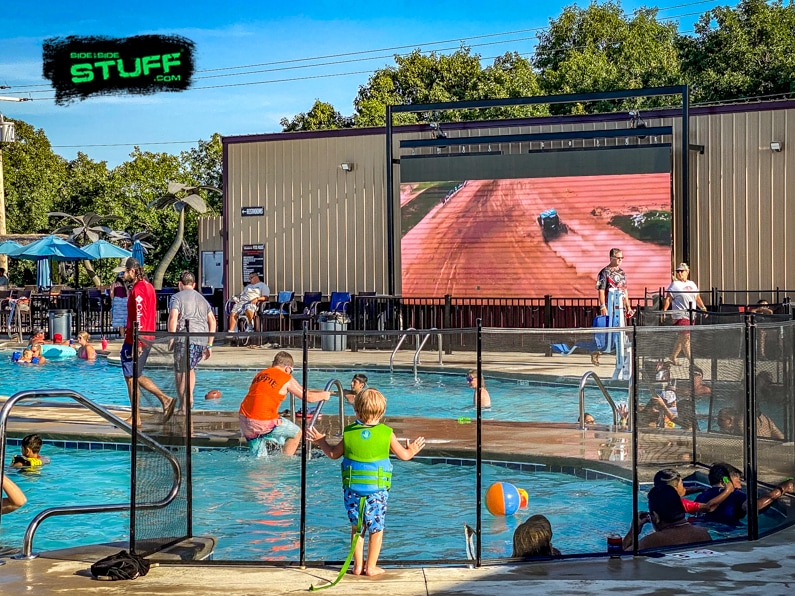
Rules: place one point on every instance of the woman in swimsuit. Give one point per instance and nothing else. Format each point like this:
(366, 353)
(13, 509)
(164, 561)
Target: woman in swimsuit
(85, 350)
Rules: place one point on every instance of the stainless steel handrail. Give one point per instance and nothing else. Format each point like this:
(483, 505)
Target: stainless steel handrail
(422, 345)
(592, 375)
(27, 545)
(340, 393)
(397, 347)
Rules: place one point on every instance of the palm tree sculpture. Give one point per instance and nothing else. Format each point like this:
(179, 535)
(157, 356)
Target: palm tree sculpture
(127, 240)
(86, 231)
(180, 196)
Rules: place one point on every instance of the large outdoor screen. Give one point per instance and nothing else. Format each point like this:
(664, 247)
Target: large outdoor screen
(531, 236)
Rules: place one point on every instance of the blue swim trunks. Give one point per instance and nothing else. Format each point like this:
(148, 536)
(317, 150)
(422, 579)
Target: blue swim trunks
(286, 430)
(374, 509)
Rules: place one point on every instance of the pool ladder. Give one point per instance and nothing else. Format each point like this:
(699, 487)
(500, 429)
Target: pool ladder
(27, 545)
(592, 375)
(420, 345)
(340, 394)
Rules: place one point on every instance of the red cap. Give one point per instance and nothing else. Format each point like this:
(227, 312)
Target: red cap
(57, 338)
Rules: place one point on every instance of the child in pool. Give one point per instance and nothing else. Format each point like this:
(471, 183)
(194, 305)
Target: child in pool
(31, 454)
(365, 446)
(485, 398)
(27, 357)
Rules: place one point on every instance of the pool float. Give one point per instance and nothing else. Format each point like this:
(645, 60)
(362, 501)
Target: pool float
(57, 352)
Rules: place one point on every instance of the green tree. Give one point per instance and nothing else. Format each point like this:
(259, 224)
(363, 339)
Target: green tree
(33, 177)
(601, 48)
(203, 166)
(179, 197)
(322, 116)
(745, 51)
(86, 181)
(419, 79)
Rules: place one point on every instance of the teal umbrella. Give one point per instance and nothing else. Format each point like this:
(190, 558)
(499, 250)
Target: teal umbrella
(55, 248)
(102, 249)
(10, 248)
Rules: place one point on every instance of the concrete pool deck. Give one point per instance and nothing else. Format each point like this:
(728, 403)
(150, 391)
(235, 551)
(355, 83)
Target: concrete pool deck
(764, 567)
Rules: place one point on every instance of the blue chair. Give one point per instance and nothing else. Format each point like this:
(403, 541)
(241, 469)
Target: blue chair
(339, 302)
(280, 311)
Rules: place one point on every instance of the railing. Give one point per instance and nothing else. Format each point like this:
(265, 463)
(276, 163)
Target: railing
(27, 546)
(592, 375)
(419, 349)
(397, 347)
(340, 394)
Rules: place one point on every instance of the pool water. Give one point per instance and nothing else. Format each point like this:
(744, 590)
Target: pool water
(252, 506)
(436, 395)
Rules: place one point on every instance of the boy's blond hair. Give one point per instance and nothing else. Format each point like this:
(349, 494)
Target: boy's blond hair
(369, 404)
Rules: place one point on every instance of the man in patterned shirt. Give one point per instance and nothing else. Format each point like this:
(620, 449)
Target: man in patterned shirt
(613, 277)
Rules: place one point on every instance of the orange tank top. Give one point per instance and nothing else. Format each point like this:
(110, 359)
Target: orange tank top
(263, 397)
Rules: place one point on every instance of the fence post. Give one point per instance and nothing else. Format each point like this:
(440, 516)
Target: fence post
(548, 311)
(447, 322)
(750, 427)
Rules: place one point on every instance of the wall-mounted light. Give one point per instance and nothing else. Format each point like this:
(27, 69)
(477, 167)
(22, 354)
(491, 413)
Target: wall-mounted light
(776, 146)
(346, 166)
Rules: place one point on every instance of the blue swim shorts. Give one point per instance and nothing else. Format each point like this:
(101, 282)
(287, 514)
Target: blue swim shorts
(374, 509)
(280, 433)
(195, 353)
(127, 360)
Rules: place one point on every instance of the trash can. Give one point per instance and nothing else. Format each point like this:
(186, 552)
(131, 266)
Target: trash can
(333, 343)
(60, 321)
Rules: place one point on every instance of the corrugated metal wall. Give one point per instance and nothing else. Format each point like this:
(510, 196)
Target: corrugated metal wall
(324, 229)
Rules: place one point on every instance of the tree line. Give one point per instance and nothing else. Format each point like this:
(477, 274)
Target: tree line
(734, 52)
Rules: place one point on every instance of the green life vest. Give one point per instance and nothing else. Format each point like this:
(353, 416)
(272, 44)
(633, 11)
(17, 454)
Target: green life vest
(365, 464)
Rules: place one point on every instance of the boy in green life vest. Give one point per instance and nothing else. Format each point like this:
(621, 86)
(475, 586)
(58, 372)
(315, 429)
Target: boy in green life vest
(367, 472)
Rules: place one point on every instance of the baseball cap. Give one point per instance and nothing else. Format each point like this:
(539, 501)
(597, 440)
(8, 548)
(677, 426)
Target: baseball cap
(682, 267)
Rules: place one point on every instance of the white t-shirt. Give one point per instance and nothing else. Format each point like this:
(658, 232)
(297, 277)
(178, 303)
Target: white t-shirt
(253, 291)
(683, 295)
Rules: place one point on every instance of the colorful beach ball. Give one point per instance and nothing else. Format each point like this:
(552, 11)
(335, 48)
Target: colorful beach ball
(502, 498)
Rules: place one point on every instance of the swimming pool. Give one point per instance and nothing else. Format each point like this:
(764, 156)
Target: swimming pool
(252, 506)
(436, 395)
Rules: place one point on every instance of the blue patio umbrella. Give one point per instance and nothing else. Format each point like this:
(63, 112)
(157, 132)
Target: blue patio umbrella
(138, 252)
(102, 249)
(10, 248)
(54, 248)
(43, 273)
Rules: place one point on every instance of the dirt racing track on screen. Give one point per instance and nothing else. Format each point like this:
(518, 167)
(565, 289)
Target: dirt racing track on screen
(533, 236)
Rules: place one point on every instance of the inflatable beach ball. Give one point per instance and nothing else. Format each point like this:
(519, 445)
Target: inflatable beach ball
(502, 498)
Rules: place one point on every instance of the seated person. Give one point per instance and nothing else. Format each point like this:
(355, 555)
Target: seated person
(255, 292)
(533, 538)
(31, 454)
(667, 515)
(735, 506)
(15, 499)
(670, 477)
(358, 384)
(485, 398)
(730, 422)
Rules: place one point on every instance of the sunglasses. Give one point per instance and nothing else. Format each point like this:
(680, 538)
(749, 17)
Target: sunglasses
(470, 379)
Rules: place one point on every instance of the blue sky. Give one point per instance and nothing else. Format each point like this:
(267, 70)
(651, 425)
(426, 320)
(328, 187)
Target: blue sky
(234, 33)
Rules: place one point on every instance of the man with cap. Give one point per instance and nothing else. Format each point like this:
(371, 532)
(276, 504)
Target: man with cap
(141, 309)
(667, 515)
(681, 296)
